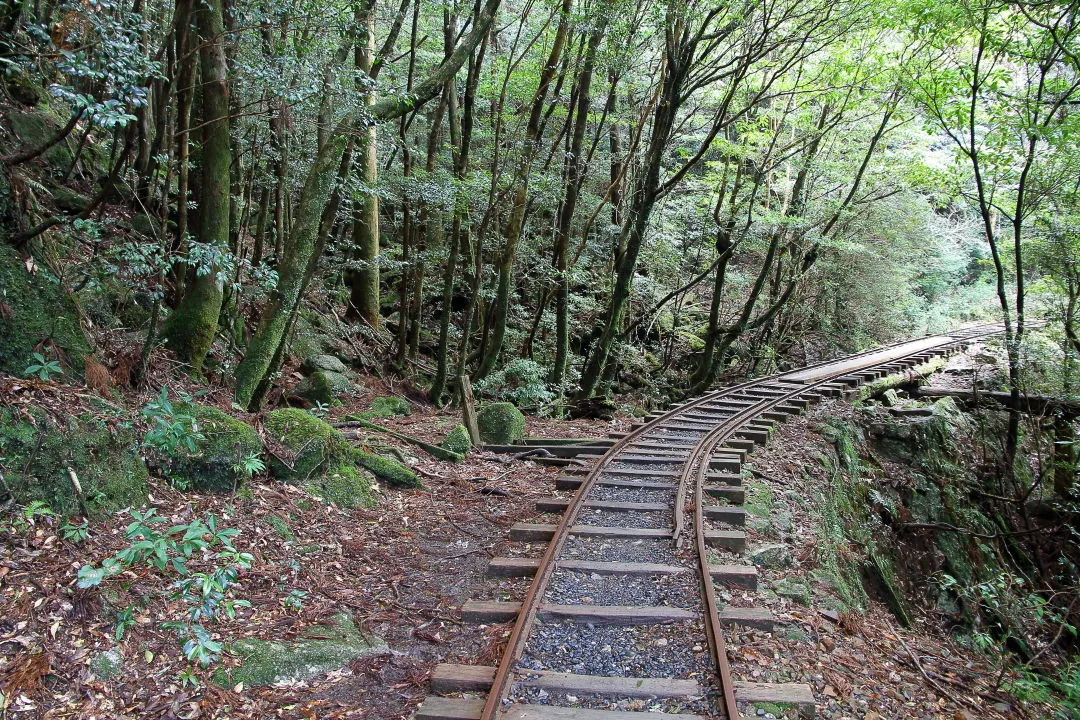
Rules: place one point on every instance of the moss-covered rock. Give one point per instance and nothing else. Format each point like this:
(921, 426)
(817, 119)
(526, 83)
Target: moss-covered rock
(35, 310)
(226, 440)
(794, 589)
(390, 471)
(107, 665)
(70, 201)
(388, 406)
(321, 457)
(329, 363)
(312, 446)
(146, 226)
(323, 386)
(345, 486)
(35, 458)
(22, 87)
(458, 440)
(268, 662)
(500, 423)
(774, 557)
(34, 129)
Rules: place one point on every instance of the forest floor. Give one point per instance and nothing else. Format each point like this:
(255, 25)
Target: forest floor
(401, 570)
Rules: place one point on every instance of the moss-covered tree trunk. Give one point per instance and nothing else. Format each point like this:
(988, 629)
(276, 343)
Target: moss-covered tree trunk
(264, 351)
(364, 280)
(193, 324)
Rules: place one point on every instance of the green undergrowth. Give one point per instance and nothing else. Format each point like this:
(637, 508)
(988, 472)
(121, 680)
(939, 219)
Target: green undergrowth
(852, 555)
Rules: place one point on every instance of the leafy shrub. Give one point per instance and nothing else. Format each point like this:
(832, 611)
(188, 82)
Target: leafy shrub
(206, 594)
(521, 382)
(173, 432)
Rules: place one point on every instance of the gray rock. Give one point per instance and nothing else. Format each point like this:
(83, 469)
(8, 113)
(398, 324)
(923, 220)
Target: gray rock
(794, 589)
(891, 398)
(774, 556)
(327, 363)
(781, 519)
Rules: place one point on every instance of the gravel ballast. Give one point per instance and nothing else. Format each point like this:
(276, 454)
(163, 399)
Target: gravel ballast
(678, 650)
(587, 588)
(646, 550)
(605, 518)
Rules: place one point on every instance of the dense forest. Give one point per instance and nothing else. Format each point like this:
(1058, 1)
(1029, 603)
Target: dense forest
(595, 195)
(583, 208)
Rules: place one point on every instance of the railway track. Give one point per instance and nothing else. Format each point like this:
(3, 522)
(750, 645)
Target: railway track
(623, 609)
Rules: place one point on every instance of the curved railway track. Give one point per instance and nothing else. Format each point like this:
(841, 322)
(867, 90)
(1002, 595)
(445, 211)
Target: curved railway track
(626, 535)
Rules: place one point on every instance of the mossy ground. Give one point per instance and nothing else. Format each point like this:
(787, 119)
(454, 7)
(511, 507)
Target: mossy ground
(389, 406)
(36, 459)
(269, 662)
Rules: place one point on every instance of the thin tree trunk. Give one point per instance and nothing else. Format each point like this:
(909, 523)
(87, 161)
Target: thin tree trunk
(516, 221)
(574, 178)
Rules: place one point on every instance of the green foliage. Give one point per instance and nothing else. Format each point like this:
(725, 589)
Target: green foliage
(44, 369)
(206, 595)
(24, 518)
(173, 431)
(1059, 689)
(76, 533)
(522, 382)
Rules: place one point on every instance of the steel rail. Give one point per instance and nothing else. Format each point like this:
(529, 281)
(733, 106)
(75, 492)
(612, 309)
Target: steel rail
(698, 465)
(527, 614)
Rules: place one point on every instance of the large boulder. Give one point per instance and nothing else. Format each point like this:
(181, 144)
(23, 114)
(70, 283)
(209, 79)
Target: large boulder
(323, 386)
(319, 457)
(500, 424)
(327, 363)
(38, 458)
(35, 310)
(224, 443)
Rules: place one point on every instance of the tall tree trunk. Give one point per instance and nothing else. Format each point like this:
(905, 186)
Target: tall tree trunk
(677, 56)
(193, 324)
(574, 172)
(266, 350)
(364, 281)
